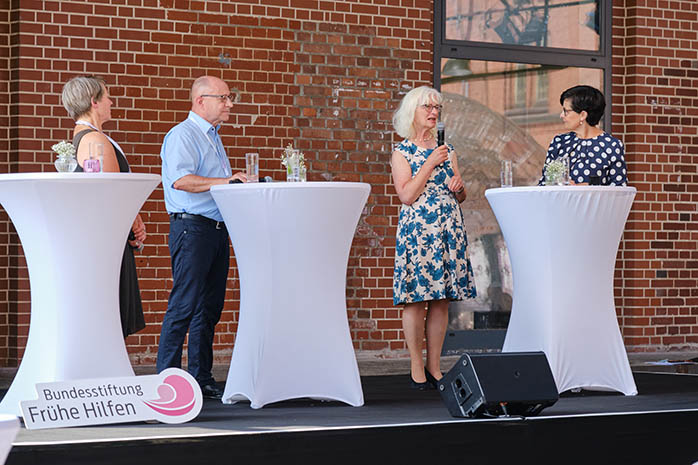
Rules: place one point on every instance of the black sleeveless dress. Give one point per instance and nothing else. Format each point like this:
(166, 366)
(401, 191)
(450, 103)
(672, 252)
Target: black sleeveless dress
(130, 305)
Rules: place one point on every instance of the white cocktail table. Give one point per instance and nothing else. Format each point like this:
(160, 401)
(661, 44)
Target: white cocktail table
(292, 244)
(562, 244)
(73, 227)
(9, 426)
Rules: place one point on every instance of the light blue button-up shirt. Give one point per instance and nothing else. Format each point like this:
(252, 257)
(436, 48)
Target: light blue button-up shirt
(193, 147)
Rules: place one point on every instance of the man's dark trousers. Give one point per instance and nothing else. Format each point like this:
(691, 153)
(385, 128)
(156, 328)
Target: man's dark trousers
(200, 256)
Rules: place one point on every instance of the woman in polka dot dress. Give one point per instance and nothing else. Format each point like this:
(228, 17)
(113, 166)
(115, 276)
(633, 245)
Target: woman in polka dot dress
(596, 157)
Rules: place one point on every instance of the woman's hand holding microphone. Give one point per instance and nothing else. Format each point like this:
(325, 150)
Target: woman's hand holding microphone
(438, 156)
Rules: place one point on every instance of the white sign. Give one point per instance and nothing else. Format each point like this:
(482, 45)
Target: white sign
(172, 396)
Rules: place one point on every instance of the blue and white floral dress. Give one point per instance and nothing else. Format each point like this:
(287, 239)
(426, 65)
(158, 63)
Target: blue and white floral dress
(602, 156)
(431, 248)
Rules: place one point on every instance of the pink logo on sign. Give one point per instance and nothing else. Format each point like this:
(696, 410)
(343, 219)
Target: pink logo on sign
(176, 397)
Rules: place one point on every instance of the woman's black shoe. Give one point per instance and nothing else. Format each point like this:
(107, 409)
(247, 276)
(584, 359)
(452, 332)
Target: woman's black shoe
(419, 386)
(430, 379)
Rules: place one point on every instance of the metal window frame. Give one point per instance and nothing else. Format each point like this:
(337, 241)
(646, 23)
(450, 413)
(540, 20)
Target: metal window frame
(463, 49)
(599, 59)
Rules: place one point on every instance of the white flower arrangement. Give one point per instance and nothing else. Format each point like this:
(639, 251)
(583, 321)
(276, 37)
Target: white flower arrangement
(64, 149)
(288, 152)
(555, 172)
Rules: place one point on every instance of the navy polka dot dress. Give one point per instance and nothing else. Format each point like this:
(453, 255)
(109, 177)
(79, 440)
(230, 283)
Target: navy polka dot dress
(602, 156)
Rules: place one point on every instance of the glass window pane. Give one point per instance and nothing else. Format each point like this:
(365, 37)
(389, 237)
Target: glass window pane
(495, 111)
(540, 23)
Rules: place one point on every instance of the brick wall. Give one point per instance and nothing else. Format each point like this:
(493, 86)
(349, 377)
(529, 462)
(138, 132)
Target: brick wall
(4, 154)
(655, 86)
(325, 76)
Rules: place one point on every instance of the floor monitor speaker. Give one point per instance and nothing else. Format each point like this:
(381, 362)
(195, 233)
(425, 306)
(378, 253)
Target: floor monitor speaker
(495, 384)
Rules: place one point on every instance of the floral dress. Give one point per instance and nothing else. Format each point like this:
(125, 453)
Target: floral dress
(602, 156)
(431, 247)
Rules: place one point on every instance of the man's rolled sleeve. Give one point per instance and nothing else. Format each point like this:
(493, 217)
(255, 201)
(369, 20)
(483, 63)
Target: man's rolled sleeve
(180, 156)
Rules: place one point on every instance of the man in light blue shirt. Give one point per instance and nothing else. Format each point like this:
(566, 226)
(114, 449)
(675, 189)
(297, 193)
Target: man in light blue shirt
(193, 160)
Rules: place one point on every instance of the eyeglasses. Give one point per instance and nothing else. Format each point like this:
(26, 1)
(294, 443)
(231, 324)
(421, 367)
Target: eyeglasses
(565, 111)
(428, 107)
(222, 97)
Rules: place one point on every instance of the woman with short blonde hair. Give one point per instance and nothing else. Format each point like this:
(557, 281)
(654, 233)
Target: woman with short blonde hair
(87, 101)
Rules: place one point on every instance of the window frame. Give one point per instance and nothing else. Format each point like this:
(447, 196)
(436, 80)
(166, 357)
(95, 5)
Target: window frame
(487, 51)
(489, 339)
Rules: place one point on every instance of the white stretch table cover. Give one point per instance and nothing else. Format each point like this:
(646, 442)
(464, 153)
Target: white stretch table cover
(73, 227)
(9, 426)
(562, 244)
(292, 244)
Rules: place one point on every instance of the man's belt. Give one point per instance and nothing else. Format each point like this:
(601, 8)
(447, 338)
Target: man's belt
(199, 218)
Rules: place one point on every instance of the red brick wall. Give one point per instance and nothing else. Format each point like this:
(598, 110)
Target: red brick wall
(4, 154)
(655, 86)
(325, 76)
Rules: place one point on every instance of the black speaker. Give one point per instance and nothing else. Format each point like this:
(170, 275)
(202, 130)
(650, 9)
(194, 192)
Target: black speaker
(494, 384)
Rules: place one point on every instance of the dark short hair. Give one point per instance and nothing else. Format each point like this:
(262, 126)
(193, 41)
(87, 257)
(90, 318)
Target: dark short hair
(586, 98)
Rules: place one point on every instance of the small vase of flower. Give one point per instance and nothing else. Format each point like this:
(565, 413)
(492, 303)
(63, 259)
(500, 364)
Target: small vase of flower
(294, 161)
(65, 162)
(557, 172)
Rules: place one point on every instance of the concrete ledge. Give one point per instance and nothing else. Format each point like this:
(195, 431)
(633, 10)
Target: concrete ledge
(378, 363)
(640, 362)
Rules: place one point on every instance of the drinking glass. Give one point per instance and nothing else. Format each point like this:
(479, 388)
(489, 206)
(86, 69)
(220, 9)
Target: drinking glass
(293, 166)
(252, 167)
(97, 153)
(91, 165)
(507, 174)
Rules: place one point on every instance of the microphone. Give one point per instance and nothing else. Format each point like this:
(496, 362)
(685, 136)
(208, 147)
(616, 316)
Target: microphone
(440, 133)
(139, 245)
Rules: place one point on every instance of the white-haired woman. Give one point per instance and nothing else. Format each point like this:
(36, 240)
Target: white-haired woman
(432, 266)
(87, 101)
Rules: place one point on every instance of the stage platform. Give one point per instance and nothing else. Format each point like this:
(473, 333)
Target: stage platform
(397, 425)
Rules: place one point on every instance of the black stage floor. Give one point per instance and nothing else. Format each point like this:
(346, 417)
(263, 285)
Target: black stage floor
(397, 425)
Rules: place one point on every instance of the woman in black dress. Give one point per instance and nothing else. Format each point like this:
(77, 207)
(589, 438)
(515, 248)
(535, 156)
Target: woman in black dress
(87, 102)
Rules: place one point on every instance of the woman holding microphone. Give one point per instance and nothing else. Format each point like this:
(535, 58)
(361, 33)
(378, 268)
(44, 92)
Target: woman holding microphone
(432, 266)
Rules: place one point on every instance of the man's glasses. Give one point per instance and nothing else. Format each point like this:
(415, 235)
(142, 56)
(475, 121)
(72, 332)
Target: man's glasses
(222, 97)
(428, 107)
